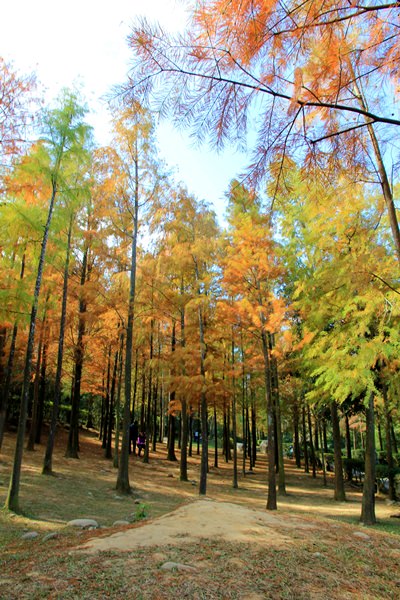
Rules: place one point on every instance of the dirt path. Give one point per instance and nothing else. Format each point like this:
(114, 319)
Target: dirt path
(204, 519)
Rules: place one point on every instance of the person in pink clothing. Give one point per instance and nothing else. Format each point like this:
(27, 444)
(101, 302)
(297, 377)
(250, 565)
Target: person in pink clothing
(141, 442)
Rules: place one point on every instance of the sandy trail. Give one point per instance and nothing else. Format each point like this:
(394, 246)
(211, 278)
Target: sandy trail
(203, 519)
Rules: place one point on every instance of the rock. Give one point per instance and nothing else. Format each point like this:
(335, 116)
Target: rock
(137, 501)
(83, 523)
(170, 475)
(317, 554)
(118, 497)
(263, 447)
(361, 535)
(30, 535)
(120, 522)
(193, 482)
(170, 566)
(51, 536)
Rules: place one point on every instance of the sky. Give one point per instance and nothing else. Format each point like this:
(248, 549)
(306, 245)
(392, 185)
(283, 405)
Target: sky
(83, 42)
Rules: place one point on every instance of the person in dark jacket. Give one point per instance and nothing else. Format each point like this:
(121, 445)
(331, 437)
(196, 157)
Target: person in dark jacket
(133, 434)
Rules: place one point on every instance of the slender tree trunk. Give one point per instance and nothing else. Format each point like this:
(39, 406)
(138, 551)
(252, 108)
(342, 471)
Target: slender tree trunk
(5, 392)
(42, 390)
(349, 470)
(305, 445)
(368, 499)
(254, 427)
(380, 438)
(12, 501)
(154, 411)
(215, 437)
(204, 446)
(35, 404)
(118, 403)
(225, 437)
(171, 419)
(171, 437)
(324, 436)
(149, 396)
(111, 417)
(296, 440)
(72, 450)
(191, 422)
(235, 483)
(248, 437)
(322, 455)
(7, 384)
(271, 501)
(279, 441)
(393, 436)
(107, 403)
(135, 386)
(123, 485)
(339, 494)
(312, 452)
(103, 401)
(389, 450)
(203, 406)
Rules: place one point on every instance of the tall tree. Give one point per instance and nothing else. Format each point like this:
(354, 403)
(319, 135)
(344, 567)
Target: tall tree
(139, 184)
(64, 135)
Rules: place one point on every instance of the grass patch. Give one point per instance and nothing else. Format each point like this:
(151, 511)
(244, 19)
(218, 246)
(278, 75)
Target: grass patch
(321, 559)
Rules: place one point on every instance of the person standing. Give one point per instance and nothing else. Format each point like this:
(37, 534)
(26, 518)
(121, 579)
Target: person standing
(133, 434)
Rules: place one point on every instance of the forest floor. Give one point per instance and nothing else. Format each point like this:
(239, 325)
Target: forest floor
(179, 545)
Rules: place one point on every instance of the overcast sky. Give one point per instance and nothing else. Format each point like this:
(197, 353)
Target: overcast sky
(84, 42)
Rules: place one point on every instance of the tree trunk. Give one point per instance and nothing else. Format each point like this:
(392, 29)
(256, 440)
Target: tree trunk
(296, 440)
(35, 404)
(111, 417)
(154, 411)
(171, 436)
(277, 407)
(339, 493)
(322, 455)
(72, 450)
(368, 499)
(118, 404)
(254, 428)
(349, 470)
(393, 436)
(12, 501)
(107, 403)
(271, 501)
(204, 446)
(312, 452)
(122, 484)
(42, 390)
(184, 416)
(203, 405)
(215, 437)
(389, 450)
(235, 484)
(5, 391)
(305, 445)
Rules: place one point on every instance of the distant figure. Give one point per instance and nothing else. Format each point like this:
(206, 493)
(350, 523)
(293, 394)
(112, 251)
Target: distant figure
(141, 442)
(133, 434)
